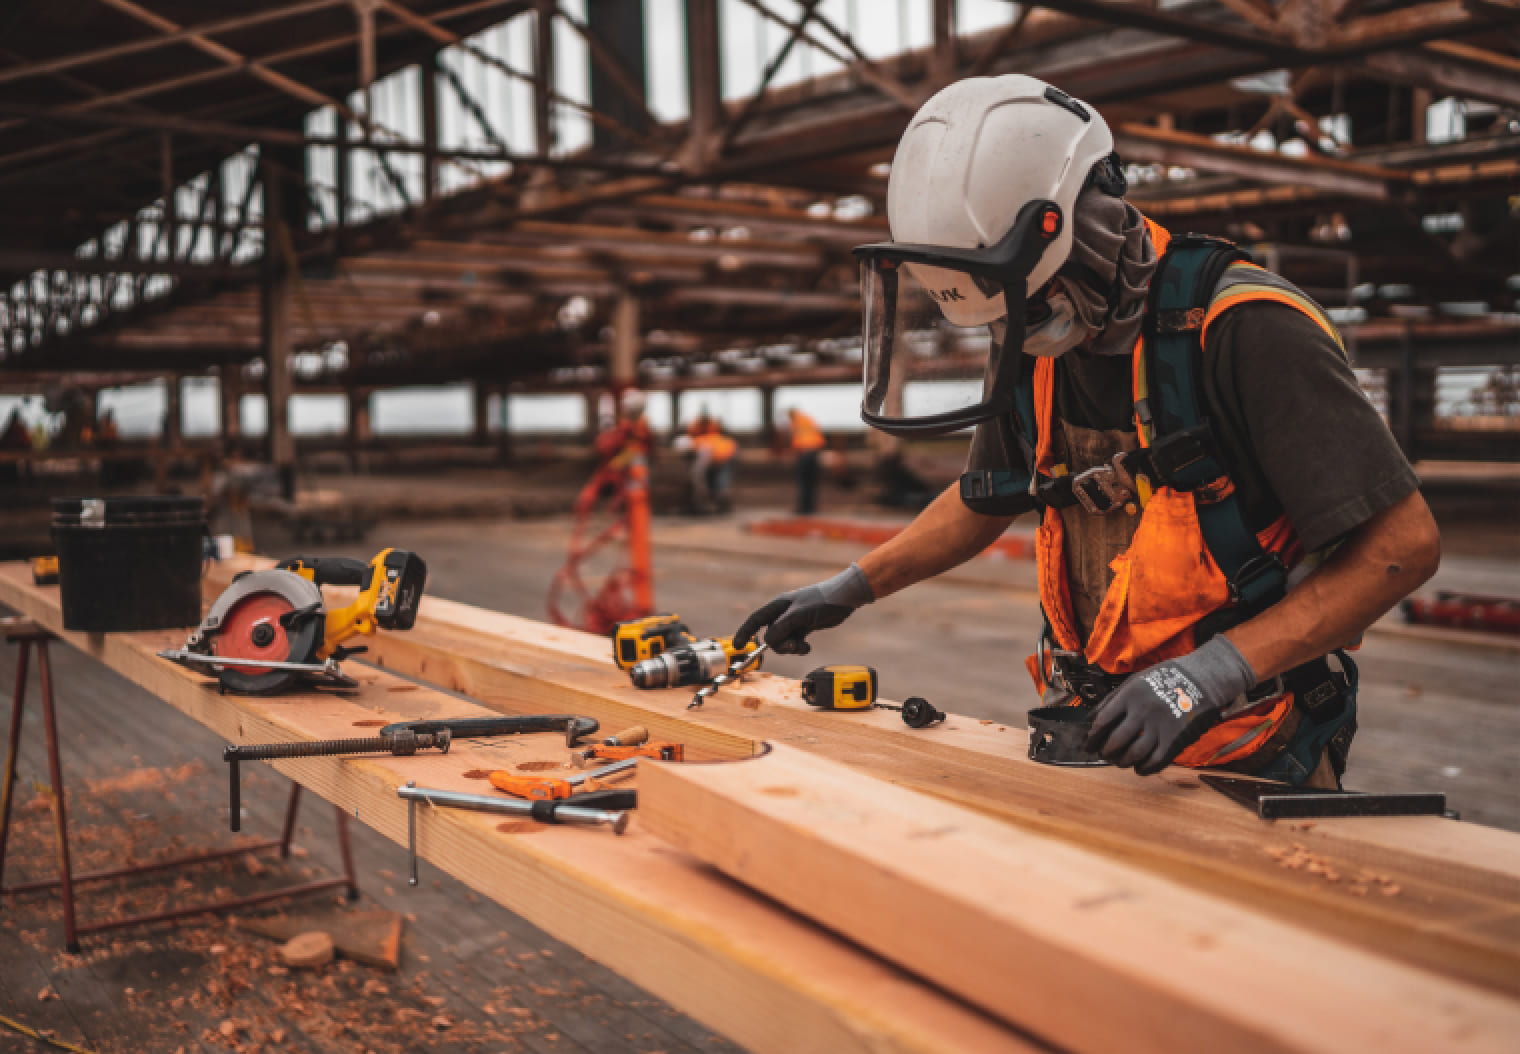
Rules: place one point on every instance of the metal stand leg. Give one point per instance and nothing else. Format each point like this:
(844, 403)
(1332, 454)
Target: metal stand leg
(12, 752)
(291, 808)
(347, 852)
(27, 636)
(60, 809)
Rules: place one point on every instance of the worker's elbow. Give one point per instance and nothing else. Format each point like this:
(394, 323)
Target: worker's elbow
(1426, 556)
(1421, 544)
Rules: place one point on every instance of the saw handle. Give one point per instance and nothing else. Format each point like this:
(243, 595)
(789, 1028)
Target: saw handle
(331, 570)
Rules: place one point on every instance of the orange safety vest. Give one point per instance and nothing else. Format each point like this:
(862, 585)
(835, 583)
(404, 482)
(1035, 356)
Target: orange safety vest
(1166, 581)
(720, 448)
(806, 434)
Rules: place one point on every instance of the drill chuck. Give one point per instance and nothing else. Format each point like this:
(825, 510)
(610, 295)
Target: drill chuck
(695, 663)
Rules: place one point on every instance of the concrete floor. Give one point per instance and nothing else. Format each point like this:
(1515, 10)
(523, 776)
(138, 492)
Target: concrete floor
(1433, 715)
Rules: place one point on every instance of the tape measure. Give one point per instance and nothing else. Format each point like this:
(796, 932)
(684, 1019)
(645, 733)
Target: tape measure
(840, 687)
(854, 688)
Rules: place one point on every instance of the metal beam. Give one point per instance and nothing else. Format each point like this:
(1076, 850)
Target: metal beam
(136, 47)
(244, 134)
(1142, 142)
(1445, 67)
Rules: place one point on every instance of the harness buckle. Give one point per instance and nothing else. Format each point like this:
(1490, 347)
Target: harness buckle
(1173, 455)
(1258, 579)
(1071, 671)
(1101, 490)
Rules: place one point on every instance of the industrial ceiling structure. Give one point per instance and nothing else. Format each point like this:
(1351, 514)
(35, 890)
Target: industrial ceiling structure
(169, 211)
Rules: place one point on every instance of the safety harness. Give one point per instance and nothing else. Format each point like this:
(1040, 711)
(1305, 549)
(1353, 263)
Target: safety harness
(1179, 451)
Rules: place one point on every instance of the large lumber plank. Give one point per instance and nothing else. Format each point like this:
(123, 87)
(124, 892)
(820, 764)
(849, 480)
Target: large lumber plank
(1457, 908)
(735, 961)
(1087, 953)
(1458, 904)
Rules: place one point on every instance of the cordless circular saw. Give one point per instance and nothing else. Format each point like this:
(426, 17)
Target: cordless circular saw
(271, 630)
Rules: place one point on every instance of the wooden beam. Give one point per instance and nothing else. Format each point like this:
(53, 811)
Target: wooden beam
(1088, 954)
(1143, 142)
(1460, 881)
(772, 982)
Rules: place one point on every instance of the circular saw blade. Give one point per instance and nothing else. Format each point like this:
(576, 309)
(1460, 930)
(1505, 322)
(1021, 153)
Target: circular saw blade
(250, 620)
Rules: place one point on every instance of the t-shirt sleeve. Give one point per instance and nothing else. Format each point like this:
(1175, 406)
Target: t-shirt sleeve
(1320, 444)
(989, 452)
(993, 450)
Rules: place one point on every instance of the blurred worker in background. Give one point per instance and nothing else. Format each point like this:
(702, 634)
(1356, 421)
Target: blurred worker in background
(712, 471)
(1223, 510)
(703, 424)
(629, 432)
(807, 442)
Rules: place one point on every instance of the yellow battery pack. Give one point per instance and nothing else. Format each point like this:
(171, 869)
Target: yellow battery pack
(644, 638)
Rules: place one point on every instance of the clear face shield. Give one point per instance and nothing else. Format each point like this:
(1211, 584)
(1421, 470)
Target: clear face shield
(922, 302)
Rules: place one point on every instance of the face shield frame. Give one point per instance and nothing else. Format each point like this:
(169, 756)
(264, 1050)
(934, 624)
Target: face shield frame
(1007, 265)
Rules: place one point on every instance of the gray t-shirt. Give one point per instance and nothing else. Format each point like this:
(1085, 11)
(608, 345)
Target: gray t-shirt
(1295, 430)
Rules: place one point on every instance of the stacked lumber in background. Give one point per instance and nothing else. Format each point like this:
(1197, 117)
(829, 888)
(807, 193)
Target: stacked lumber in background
(1090, 904)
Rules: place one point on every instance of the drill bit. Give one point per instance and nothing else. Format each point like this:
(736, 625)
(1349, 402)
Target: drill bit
(736, 669)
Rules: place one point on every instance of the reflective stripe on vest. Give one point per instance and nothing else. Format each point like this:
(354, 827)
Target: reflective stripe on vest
(1167, 580)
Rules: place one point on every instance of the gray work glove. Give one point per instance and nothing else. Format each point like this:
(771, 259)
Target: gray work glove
(1159, 712)
(792, 616)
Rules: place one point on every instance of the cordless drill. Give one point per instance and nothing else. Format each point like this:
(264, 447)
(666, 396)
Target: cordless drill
(695, 663)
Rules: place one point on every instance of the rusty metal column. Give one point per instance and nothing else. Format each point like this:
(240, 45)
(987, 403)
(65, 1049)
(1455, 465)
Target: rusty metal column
(704, 80)
(275, 291)
(230, 397)
(429, 103)
(945, 58)
(482, 414)
(623, 362)
(358, 426)
(173, 411)
(543, 78)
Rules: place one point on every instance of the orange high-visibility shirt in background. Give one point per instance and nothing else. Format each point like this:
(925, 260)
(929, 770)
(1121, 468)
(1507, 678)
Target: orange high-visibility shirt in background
(805, 433)
(720, 448)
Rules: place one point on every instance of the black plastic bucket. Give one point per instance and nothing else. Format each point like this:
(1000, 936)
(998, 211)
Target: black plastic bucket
(129, 563)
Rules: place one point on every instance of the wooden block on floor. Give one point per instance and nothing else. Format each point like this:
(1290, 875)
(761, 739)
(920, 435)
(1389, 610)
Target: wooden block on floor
(369, 937)
(1087, 953)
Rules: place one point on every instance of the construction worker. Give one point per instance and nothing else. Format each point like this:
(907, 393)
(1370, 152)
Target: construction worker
(713, 469)
(629, 434)
(703, 424)
(807, 441)
(1222, 510)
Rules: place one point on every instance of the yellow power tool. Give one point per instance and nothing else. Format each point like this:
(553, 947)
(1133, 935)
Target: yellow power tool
(695, 663)
(45, 570)
(644, 638)
(272, 629)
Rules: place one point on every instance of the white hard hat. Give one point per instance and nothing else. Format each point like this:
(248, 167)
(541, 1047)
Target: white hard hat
(632, 402)
(972, 157)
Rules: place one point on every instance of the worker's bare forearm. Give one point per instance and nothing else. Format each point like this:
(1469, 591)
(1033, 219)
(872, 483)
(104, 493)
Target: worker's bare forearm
(944, 535)
(1384, 561)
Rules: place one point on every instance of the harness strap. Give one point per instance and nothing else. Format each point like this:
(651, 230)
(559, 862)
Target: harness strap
(1181, 296)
